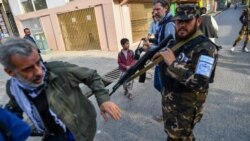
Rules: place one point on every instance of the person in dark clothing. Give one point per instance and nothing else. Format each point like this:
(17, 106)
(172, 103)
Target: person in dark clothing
(27, 36)
(244, 31)
(187, 73)
(208, 25)
(12, 128)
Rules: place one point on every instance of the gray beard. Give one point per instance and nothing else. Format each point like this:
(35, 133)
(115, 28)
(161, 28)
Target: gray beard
(161, 18)
(21, 79)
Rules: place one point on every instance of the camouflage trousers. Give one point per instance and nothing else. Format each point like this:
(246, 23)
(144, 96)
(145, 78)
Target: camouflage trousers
(244, 32)
(181, 111)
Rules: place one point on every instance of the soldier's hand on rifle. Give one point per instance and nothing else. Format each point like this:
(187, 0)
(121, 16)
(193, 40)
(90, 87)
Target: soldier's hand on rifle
(156, 55)
(146, 44)
(168, 56)
(109, 108)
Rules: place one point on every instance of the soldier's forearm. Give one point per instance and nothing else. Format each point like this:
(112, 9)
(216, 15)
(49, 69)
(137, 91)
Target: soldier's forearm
(187, 77)
(177, 70)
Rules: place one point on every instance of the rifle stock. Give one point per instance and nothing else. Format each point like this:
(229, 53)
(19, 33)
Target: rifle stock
(140, 63)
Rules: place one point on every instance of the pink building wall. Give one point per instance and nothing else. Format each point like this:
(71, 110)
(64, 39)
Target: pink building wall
(113, 22)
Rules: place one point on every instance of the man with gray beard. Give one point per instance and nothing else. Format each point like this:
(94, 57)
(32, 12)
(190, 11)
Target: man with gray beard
(49, 93)
(166, 27)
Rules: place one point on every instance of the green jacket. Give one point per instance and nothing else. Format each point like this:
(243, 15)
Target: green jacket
(66, 100)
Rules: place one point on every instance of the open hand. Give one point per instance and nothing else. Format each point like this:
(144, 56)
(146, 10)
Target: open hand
(111, 109)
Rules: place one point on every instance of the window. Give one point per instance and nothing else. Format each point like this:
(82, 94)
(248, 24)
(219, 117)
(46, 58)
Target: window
(33, 24)
(37, 32)
(27, 5)
(33, 5)
(40, 4)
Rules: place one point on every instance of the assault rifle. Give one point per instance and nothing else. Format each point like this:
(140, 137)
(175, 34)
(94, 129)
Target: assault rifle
(140, 63)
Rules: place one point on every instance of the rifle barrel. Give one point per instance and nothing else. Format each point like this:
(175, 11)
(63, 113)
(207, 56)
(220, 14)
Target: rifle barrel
(140, 63)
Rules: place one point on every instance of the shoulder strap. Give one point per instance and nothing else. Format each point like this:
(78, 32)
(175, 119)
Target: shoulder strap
(180, 44)
(169, 19)
(159, 59)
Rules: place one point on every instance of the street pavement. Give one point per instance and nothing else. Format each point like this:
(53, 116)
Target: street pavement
(227, 109)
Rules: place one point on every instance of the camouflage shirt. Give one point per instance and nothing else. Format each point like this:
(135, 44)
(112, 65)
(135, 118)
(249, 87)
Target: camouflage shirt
(194, 67)
(245, 18)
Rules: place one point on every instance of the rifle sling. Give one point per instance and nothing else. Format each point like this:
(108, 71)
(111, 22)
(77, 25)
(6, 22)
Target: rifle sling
(160, 58)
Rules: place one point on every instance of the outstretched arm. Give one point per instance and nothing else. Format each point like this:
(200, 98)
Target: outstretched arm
(111, 109)
(106, 106)
(93, 80)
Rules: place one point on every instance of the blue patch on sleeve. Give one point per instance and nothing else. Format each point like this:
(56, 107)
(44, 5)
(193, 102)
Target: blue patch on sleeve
(204, 66)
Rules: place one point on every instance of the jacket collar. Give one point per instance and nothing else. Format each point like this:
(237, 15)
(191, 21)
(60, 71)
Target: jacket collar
(52, 76)
(164, 20)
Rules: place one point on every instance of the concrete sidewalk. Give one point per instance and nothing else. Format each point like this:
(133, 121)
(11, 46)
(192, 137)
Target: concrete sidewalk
(102, 61)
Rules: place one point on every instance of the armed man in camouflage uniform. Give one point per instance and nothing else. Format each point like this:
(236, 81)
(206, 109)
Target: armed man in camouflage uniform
(245, 29)
(187, 73)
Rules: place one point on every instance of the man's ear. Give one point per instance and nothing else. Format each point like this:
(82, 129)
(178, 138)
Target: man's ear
(199, 21)
(9, 72)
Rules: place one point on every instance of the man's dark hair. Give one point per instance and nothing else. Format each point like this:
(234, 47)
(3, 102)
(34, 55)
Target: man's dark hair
(25, 29)
(203, 10)
(124, 40)
(163, 3)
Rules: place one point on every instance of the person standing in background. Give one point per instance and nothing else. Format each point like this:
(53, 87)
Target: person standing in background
(125, 61)
(27, 36)
(244, 31)
(153, 27)
(208, 25)
(166, 27)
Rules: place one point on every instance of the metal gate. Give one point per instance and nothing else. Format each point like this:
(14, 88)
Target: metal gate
(141, 17)
(79, 30)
